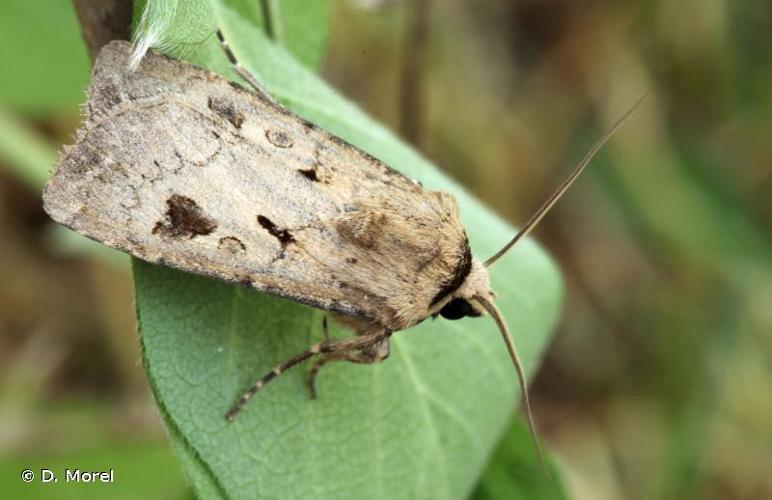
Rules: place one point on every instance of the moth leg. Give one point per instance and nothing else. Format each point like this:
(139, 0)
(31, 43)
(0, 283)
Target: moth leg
(313, 372)
(319, 362)
(242, 71)
(374, 350)
(365, 349)
(275, 372)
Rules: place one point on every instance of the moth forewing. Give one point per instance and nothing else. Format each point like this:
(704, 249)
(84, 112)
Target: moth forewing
(178, 166)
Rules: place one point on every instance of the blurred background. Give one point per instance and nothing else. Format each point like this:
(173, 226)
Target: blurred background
(658, 383)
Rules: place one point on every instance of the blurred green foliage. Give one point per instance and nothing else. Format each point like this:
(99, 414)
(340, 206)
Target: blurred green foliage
(45, 64)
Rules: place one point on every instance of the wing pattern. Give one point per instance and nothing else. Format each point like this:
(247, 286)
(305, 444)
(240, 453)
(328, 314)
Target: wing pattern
(178, 166)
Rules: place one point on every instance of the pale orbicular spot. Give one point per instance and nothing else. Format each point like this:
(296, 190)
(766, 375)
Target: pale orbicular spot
(278, 138)
(196, 145)
(231, 244)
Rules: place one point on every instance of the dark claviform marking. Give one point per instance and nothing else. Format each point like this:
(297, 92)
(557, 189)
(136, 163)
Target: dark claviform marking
(283, 235)
(309, 174)
(459, 276)
(184, 218)
(226, 110)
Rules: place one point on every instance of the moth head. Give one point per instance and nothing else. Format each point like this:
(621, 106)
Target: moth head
(461, 303)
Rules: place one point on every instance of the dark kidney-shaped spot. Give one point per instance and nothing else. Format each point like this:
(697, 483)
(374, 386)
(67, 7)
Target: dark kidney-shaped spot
(309, 174)
(283, 235)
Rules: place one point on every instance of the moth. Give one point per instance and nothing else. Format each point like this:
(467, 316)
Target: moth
(180, 167)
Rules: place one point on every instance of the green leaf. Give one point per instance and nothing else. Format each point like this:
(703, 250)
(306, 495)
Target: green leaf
(298, 25)
(180, 27)
(514, 475)
(421, 424)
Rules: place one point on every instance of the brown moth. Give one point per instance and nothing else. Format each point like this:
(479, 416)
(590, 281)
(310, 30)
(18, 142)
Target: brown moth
(178, 166)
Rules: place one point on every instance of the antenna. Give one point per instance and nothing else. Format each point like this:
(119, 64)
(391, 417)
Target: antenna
(491, 308)
(560, 191)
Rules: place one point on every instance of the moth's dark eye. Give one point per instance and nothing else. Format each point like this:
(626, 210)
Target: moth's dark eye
(457, 309)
